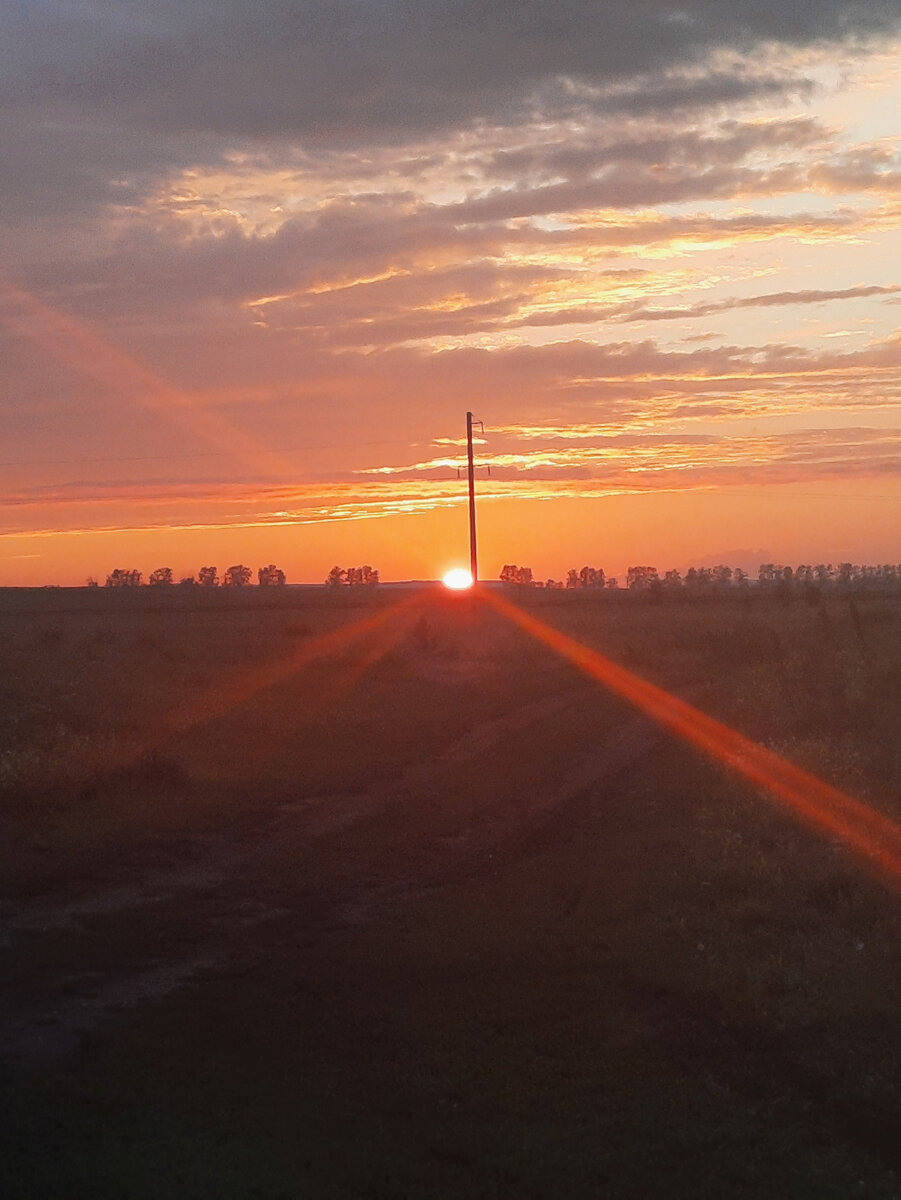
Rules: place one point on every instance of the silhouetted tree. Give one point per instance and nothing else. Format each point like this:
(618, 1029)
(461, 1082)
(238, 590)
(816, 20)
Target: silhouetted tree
(592, 577)
(846, 573)
(638, 578)
(722, 577)
(123, 578)
(352, 576)
(161, 576)
(237, 576)
(208, 577)
(271, 576)
(364, 576)
(518, 575)
(587, 577)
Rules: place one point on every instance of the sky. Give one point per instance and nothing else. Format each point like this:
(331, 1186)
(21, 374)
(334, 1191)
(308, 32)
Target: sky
(258, 260)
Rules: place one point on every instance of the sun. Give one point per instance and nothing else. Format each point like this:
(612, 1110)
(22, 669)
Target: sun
(458, 579)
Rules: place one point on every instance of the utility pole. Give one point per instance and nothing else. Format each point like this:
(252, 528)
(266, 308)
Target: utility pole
(473, 553)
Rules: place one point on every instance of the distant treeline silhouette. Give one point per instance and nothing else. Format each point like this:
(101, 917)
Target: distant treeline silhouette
(697, 580)
(351, 577)
(774, 576)
(236, 576)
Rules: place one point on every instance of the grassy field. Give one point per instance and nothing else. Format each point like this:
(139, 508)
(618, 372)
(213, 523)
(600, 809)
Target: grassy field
(372, 895)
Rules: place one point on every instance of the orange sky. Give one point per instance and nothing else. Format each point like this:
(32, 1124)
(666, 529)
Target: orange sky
(242, 316)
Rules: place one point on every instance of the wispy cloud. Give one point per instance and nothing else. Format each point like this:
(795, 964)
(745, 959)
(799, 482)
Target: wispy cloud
(588, 463)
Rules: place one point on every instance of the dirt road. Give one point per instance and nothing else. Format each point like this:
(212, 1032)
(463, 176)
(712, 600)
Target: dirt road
(211, 906)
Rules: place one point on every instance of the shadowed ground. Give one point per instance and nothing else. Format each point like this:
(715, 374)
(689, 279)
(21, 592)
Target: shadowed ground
(433, 915)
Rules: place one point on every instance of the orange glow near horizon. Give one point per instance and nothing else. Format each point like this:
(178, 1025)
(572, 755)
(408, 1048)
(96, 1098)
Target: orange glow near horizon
(791, 523)
(874, 837)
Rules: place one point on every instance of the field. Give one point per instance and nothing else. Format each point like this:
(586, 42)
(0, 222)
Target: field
(374, 895)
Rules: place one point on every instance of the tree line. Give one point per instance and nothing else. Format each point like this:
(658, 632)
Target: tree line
(236, 576)
(824, 576)
(365, 576)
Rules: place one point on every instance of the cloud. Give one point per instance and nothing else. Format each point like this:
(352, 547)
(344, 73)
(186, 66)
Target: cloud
(611, 457)
(595, 467)
(579, 156)
(335, 69)
(293, 394)
(98, 97)
(369, 272)
(771, 299)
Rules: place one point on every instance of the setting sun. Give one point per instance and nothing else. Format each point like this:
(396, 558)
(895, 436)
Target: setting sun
(458, 579)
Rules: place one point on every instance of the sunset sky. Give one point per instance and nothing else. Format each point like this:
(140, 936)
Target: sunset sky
(258, 259)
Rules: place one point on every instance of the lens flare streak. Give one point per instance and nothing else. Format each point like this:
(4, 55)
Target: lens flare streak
(227, 695)
(874, 837)
(80, 347)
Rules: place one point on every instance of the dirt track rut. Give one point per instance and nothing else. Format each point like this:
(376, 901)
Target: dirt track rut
(78, 959)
